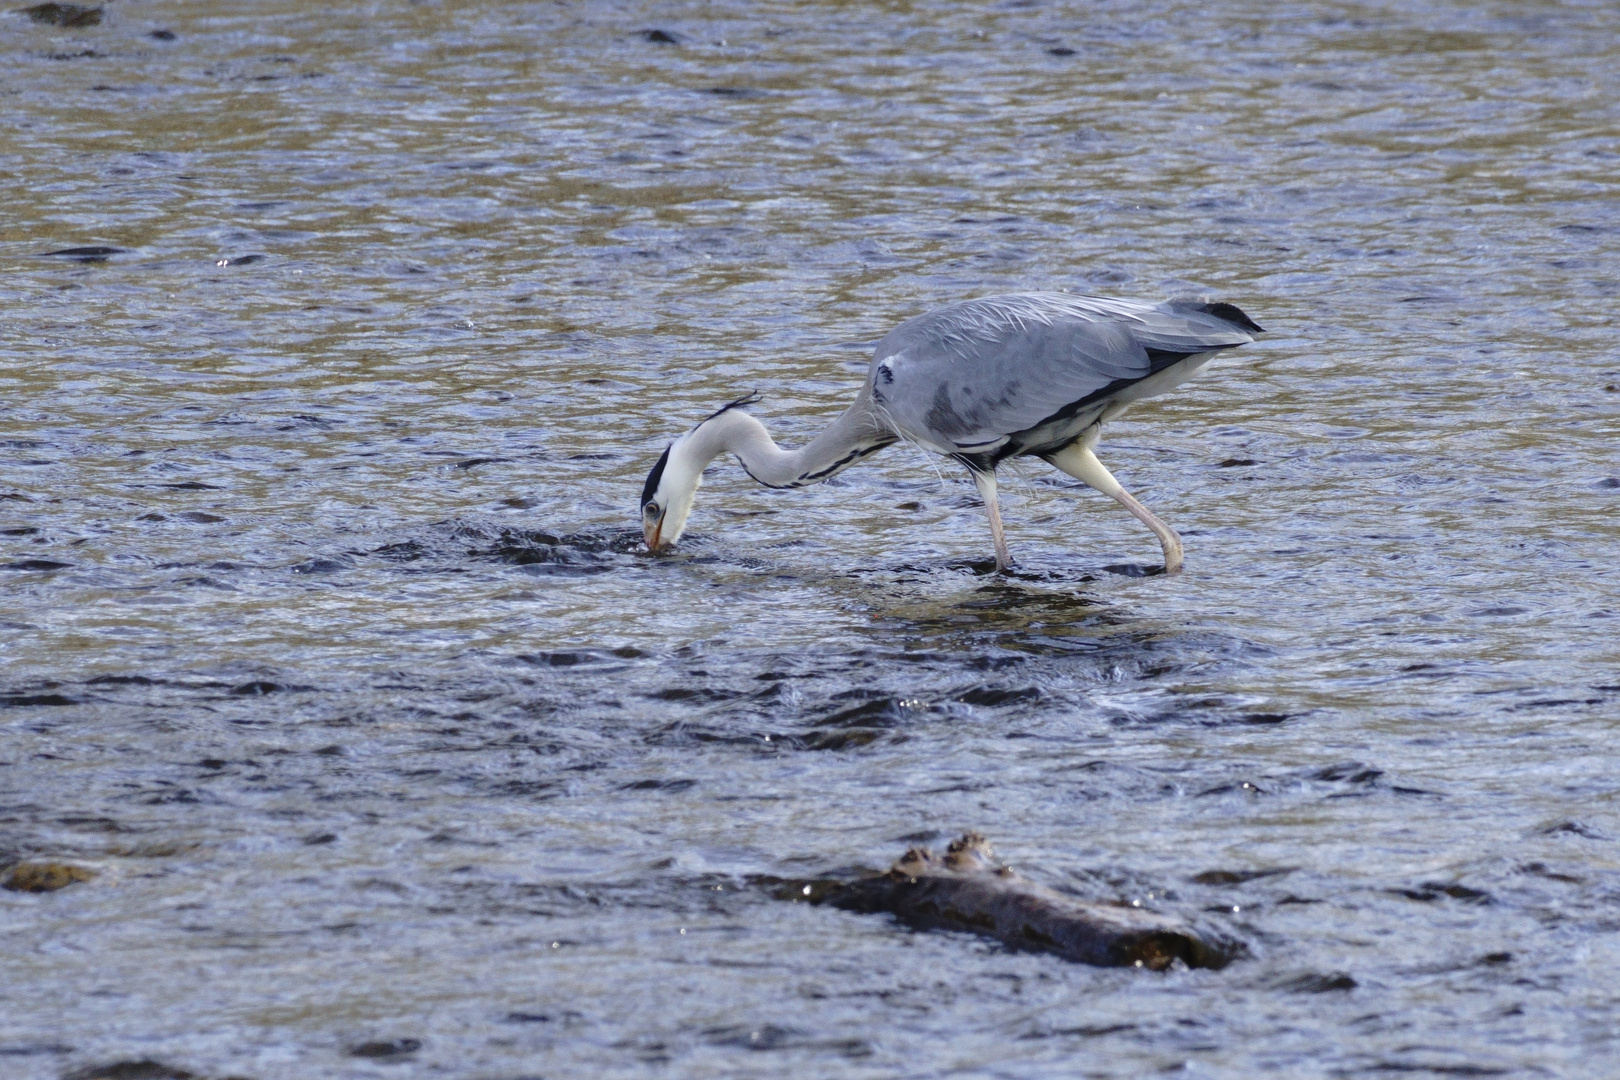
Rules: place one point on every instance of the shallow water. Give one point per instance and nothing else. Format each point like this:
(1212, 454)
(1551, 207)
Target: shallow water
(329, 643)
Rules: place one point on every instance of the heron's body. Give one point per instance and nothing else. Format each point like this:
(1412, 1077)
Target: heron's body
(1029, 374)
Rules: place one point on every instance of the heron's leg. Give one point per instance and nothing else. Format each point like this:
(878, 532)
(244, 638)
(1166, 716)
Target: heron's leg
(1079, 462)
(986, 482)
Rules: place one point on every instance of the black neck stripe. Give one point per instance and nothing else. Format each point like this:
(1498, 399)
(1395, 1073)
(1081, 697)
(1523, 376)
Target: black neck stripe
(654, 477)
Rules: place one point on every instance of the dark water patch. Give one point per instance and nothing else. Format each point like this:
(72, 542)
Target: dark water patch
(1243, 787)
(89, 254)
(34, 1049)
(659, 785)
(693, 693)
(73, 16)
(163, 35)
(141, 1069)
(568, 658)
(685, 733)
(124, 680)
(36, 565)
(544, 552)
(882, 711)
(1240, 877)
(1096, 780)
(191, 485)
(92, 823)
(992, 697)
(853, 738)
(1553, 703)
(1084, 1031)
(404, 551)
(1133, 570)
(1438, 1070)
(1314, 983)
(18, 701)
(386, 1049)
(1575, 828)
(1431, 891)
(767, 1037)
(1348, 772)
(261, 687)
(322, 565)
(661, 37)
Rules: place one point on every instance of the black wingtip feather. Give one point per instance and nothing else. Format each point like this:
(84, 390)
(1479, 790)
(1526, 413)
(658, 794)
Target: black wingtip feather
(650, 488)
(1232, 314)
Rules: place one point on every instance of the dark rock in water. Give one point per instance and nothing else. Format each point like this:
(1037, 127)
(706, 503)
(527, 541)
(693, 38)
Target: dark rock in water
(40, 876)
(63, 14)
(1313, 983)
(384, 1049)
(96, 253)
(967, 890)
(661, 37)
(24, 700)
(131, 1070)
(162, 35)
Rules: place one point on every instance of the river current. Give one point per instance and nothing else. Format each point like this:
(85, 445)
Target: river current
(329, 646)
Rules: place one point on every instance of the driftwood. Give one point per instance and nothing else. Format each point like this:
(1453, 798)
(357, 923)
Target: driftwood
(967, 890)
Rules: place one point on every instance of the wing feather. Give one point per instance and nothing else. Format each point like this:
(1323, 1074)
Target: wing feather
(966, 377)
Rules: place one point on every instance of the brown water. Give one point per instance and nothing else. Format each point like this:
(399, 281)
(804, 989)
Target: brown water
(328, 640)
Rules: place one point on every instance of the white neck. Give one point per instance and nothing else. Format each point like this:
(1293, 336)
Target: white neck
(856, 433)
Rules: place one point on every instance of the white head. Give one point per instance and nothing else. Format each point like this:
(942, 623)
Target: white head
(667, 497)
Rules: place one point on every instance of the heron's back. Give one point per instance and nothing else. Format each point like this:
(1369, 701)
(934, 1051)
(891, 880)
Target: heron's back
(972, 377)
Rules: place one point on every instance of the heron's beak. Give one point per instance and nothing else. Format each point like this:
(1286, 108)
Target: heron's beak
(651, 534)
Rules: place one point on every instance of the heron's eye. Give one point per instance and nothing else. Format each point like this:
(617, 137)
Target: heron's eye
(651, 510)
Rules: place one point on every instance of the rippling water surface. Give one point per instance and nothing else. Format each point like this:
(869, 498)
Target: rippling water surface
(327, 641)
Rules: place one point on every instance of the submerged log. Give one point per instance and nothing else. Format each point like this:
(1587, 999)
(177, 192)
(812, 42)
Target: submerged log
(967, 890)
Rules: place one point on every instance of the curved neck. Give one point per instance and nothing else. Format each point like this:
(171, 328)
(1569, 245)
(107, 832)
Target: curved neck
(856, 433)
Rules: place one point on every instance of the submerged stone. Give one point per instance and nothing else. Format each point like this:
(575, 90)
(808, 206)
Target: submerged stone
(63, 14)
(967, 890)
(143, 1069)
(41, 876)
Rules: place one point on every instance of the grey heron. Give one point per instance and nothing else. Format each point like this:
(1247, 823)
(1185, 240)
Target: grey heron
(1025, 374)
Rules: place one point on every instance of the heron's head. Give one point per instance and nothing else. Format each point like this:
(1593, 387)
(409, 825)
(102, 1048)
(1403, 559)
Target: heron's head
(667, 497)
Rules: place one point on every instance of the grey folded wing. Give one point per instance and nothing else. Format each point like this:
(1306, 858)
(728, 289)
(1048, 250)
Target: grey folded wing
(966, 377)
